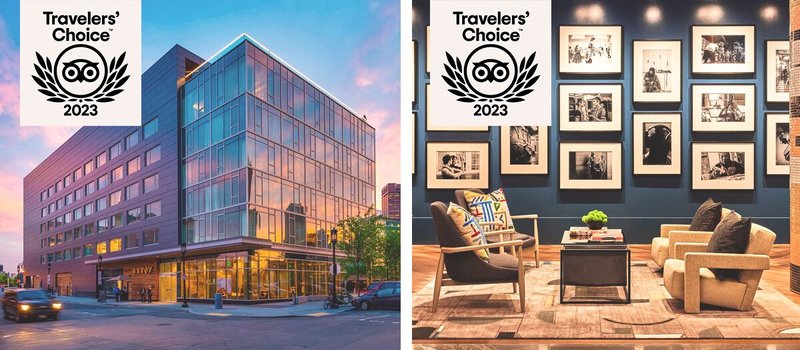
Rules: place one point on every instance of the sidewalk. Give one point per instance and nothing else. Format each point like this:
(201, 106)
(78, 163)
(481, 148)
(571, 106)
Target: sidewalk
(283, 309)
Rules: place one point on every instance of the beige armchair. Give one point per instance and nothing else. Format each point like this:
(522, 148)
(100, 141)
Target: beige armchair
(660, 247)
(687, 275)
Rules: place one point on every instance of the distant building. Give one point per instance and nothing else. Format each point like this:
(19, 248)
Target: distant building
(390, 200)
(392, 226)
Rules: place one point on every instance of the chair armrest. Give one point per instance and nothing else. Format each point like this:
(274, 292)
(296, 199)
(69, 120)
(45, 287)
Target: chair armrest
(490, 223)
(499, 232)
(727, 261)
(682, 248)
(450, 250)
(525, 216)
(686, 237)
(666, 228)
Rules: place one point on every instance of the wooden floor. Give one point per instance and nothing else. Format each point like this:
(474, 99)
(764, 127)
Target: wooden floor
(425, 258)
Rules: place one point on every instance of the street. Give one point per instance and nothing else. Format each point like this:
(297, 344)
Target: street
(83, 326)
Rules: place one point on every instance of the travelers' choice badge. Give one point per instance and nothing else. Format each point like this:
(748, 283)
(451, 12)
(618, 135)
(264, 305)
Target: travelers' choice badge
(80, 62)
(489, 63)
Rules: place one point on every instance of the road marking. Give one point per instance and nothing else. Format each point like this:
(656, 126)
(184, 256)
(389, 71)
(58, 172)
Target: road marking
(318, 314)
(370, 318)
(217, 314)
(88, 313)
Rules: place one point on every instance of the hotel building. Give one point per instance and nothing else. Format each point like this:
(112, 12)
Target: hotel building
(241, 157)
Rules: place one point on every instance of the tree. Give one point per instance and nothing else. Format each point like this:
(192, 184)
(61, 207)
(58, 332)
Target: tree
(360, 240)
(391, 255)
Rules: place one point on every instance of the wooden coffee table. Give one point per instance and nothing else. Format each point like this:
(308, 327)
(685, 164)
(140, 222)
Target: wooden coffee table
(585, 263)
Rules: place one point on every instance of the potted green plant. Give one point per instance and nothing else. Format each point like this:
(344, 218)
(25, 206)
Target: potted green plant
(595, 219)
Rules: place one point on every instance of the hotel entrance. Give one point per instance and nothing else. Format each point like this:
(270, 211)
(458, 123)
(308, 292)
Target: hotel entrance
(168, 281)
(64, 283)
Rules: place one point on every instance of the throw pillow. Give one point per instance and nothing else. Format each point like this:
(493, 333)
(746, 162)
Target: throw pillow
(731, 236)
(490, 207)
(707, 216)
(469, 228)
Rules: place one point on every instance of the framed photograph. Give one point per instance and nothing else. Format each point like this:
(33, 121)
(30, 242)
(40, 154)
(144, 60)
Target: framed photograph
(723, 49)
(723, 108)
(777, 74)
(723, 166)
(429, 127)
(523, 149)
(777, 143)
(427, 49)
(416, 70)
(590, 166)
(590, 49)
(590, 107)
(656, 71)
(457, 165)
(657, 143)
(414, 143)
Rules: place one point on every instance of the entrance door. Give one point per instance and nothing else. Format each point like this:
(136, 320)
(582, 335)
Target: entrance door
(168, 281)
(64, 283)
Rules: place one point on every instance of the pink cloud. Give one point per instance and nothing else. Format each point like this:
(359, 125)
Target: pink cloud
(387, 140)
(379, 72)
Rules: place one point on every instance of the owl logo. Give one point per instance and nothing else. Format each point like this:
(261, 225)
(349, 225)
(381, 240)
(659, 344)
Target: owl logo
(490, 70)
(80, 70)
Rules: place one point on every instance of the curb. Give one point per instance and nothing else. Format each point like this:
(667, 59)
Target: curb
(223, 314)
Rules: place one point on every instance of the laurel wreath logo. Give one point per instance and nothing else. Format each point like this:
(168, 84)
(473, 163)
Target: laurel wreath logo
(459, 87)
(45, 78)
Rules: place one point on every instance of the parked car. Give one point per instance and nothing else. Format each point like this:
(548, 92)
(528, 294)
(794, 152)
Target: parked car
(381, 285)
(387, 298)
(21, 304)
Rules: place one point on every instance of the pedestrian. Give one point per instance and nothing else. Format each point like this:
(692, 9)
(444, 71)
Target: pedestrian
(149, 295)
(141, 295)
(115, 291)
(124, 294)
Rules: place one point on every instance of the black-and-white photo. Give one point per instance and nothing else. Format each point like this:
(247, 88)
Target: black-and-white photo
(781, 70)
(657, 143)
(722, 166)
(723, 49)
(458, 165)
(589, 48)
(590, 165)
(782, 144)
(524, 145)
(590, 107)
(718, 107)
(657, 71)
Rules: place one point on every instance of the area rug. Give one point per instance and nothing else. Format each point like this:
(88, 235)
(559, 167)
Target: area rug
(492, 312)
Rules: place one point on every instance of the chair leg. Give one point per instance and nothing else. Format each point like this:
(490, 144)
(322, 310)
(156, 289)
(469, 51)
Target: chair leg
(536, 254)
(514, 286)
(437, 286)
(521, 282)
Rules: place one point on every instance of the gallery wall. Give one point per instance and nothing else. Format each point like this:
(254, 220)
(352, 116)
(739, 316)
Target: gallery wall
(645, 201)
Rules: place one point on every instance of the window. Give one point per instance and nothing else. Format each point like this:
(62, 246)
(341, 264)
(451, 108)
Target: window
(152, 210)
(102, 203)
(115, 198)
(101, 247)
(117, 174)
(150, 237)
(116, 220)
(150, 183)
(152, 155)
(131, 140)
(76, 252)
(88, 249)
(68, 180)
(115, 245)
(88, 209)
(77, 213)
(78, 194)
(151, 127)
(133, 215)
(43, 195)
(78, 173)
(102, 182)
(133, 165)
(76, 233)
(90, 187)
(131, 241)
(67, 218)
(68, 254)
(102, 225)
(88, 167)
(115, 150)
(88, 230)
(58, 186)
(132, 191)
(101, 159)
(68, 199)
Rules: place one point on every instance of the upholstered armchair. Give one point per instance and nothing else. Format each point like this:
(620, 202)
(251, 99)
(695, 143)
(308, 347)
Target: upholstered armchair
(659, 249)
(687, 273)
(493, 237)
(459, 265)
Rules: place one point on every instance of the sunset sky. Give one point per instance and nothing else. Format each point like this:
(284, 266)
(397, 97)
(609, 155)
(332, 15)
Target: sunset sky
(350, 48)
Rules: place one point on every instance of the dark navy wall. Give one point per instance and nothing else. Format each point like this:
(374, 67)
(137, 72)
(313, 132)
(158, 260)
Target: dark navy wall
(645, 202)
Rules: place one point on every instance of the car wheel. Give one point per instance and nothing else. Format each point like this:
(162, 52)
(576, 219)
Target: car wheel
(363, 306)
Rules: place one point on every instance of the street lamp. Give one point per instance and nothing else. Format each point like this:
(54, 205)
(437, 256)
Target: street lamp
(183, 271)
(19, 280)
(48, 277)
(98, 276)
(334, 270)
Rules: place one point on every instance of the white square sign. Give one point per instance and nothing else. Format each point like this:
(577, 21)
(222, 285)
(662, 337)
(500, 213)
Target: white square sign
(490, 63)
(80, 62)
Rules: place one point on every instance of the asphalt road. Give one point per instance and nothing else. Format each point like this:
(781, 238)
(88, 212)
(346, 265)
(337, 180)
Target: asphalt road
(104, 327)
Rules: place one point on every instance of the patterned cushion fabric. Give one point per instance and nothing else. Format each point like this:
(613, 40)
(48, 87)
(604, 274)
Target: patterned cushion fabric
(707, 216)
(469, 228)
(490, 207)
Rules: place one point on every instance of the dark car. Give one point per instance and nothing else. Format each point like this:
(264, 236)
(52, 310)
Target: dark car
(21, 304)
(387, 298)
(381, 285)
